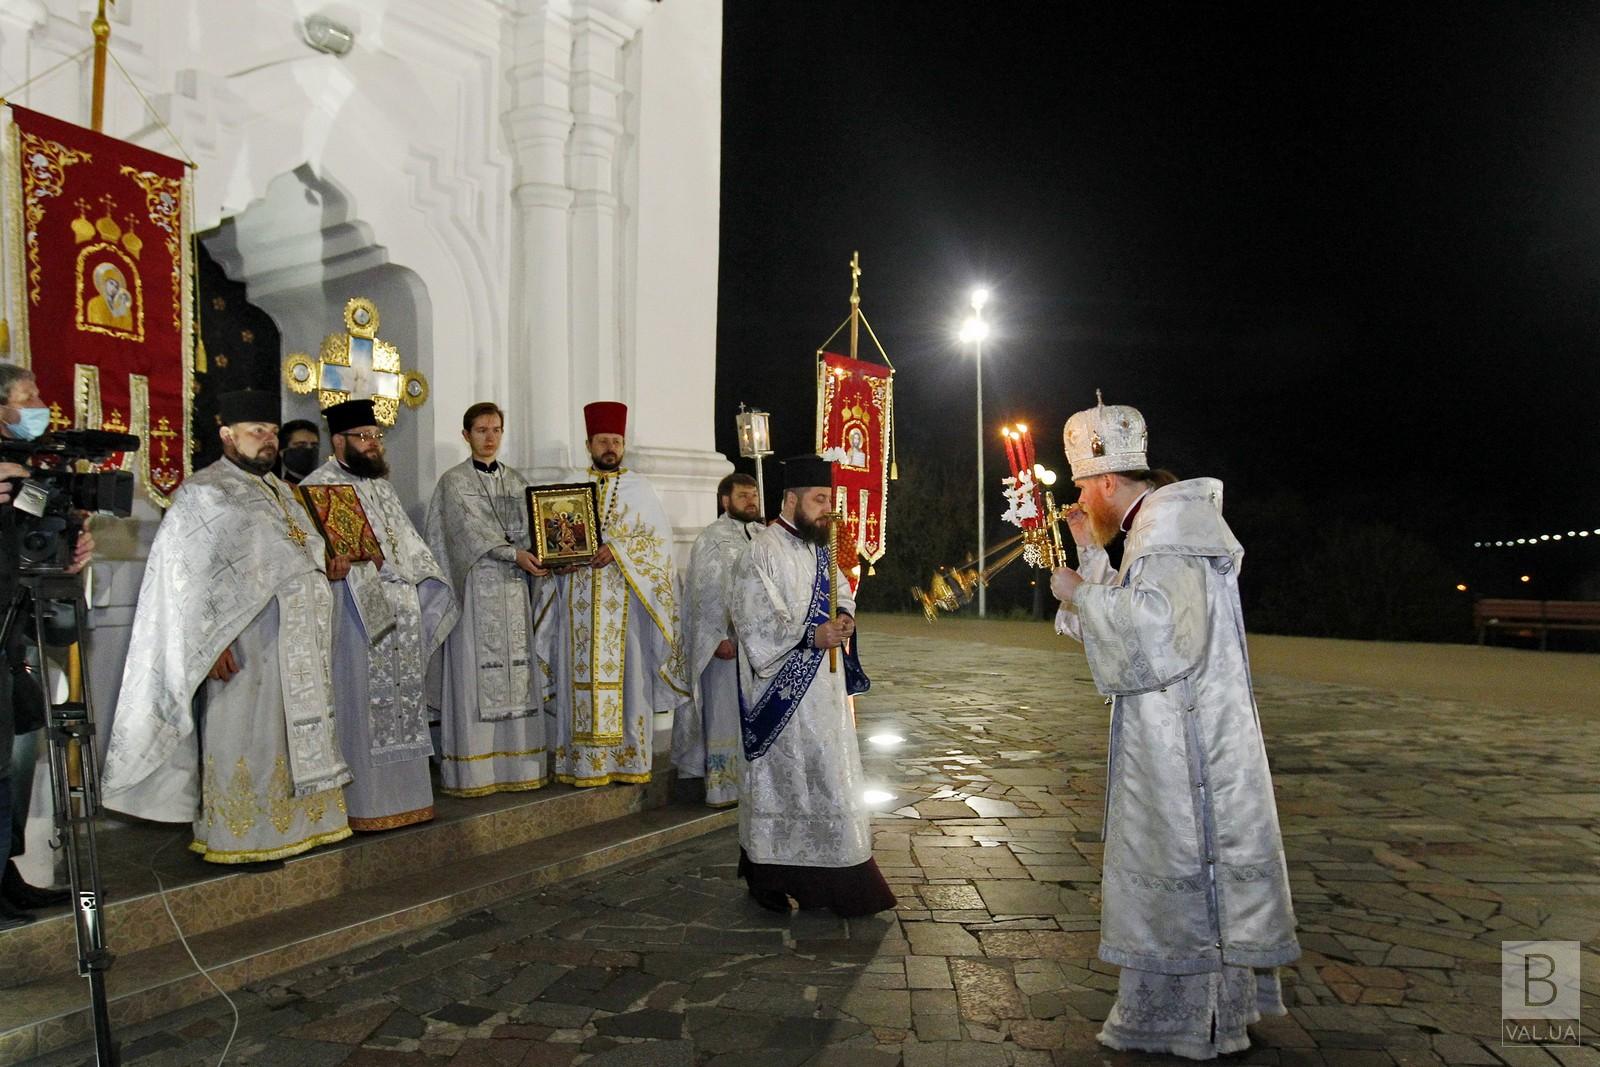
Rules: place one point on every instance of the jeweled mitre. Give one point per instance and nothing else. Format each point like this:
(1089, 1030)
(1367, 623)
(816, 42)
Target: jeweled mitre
(1105, 439)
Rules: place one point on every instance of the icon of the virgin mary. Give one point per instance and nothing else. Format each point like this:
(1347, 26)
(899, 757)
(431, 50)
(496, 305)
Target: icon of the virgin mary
(112, 306)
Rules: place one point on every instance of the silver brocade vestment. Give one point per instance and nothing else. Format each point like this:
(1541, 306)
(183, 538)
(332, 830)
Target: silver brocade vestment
(423, 614)
(1194, 872)
(800, 803)
(476, 522)
(705, 733)
(222, 554)
(493, 689)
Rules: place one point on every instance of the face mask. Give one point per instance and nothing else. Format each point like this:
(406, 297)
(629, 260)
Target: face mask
(300, 461)
(34, 422)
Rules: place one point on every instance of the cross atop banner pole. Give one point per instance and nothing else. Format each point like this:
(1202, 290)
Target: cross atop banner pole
(855, 431)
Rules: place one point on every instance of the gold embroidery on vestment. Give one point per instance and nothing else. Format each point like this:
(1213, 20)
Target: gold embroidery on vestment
(237, 805)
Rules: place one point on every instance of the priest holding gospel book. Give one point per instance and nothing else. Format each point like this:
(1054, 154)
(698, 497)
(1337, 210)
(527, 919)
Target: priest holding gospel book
(236, 608)
(493, 688)
(388, 623)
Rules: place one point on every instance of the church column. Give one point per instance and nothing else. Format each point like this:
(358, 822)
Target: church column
(538, 120)
(597, 297)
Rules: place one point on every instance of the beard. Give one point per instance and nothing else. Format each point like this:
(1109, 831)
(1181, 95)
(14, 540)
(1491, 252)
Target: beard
(750, 514)
(1103, 525)
(606, 461)
(813, 530)
(364, 466)
(262, 464)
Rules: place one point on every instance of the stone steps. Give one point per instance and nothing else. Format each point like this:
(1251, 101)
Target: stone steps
(245, 927)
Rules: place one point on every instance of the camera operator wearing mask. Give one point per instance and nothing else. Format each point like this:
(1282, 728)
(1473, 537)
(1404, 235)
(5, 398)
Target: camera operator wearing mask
(23, 417)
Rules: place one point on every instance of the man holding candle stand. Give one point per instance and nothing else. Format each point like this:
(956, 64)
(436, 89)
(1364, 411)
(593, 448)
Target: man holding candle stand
(1195, 892)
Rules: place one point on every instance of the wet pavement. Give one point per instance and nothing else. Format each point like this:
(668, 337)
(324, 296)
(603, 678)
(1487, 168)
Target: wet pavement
(1420, 832)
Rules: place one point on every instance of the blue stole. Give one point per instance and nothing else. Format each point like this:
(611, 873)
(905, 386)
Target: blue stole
(764, 721)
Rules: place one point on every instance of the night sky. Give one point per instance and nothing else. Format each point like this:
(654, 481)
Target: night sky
(1352, 254)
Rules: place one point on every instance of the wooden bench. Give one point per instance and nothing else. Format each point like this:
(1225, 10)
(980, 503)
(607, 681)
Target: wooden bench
(1539, 616)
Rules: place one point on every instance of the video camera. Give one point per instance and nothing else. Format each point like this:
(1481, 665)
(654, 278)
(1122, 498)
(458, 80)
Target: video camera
(39, 531)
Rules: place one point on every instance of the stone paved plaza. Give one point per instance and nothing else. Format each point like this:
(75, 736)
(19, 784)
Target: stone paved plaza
(1420, 830)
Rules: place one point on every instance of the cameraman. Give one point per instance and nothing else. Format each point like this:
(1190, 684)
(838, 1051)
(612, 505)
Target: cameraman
(23, 417)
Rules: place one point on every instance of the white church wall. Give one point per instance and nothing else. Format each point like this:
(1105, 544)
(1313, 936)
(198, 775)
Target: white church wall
(496, 149)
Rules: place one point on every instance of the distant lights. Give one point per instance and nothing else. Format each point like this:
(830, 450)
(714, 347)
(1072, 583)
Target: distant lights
(1536, 540)
(1527, 577)
(1461, 587)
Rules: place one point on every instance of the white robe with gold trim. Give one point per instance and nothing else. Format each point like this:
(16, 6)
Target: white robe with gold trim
(615, 643)
(235, 564)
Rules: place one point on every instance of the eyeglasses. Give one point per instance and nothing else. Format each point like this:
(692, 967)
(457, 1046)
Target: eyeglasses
(366, 436)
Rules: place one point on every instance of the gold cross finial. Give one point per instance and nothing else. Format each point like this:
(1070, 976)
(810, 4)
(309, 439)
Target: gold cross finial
(855, 278)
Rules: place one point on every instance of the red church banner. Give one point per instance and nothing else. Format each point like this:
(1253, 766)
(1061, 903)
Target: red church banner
(855, 407)
(98, 286)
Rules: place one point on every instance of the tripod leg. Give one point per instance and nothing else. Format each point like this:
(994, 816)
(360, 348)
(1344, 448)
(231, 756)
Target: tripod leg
(70, 734)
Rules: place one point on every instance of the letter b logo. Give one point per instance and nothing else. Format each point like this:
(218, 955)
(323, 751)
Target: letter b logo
(1539, 979)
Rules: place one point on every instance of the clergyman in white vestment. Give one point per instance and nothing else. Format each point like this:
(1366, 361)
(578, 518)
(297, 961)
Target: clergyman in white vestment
(705, 732)
(1195, 890)
(491, 706)
(615, 644)
(235, 605)
(387, 626)
(804, 827)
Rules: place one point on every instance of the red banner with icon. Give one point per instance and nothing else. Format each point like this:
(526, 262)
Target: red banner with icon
(98, 286)
(855, 408)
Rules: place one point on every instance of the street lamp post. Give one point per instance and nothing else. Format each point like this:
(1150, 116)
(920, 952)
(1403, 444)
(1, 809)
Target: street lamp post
(974, 330)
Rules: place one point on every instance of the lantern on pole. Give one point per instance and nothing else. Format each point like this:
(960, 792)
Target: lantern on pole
(755, 442)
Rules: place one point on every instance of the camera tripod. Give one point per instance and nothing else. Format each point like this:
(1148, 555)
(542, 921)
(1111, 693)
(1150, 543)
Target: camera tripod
(74, 789)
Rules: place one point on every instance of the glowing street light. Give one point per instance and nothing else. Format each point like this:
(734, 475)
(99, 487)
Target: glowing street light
(973, 332)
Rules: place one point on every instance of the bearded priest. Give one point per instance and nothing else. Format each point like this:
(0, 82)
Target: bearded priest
(1195, 890)
(235, 608)
(388, 624)
(616, 635)
(804, 828)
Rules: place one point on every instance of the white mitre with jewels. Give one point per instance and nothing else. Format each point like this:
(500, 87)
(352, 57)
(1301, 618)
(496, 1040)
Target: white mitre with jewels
(1105, 439)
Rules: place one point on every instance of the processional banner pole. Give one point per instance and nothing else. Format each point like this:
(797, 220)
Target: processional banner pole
(102, 38)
